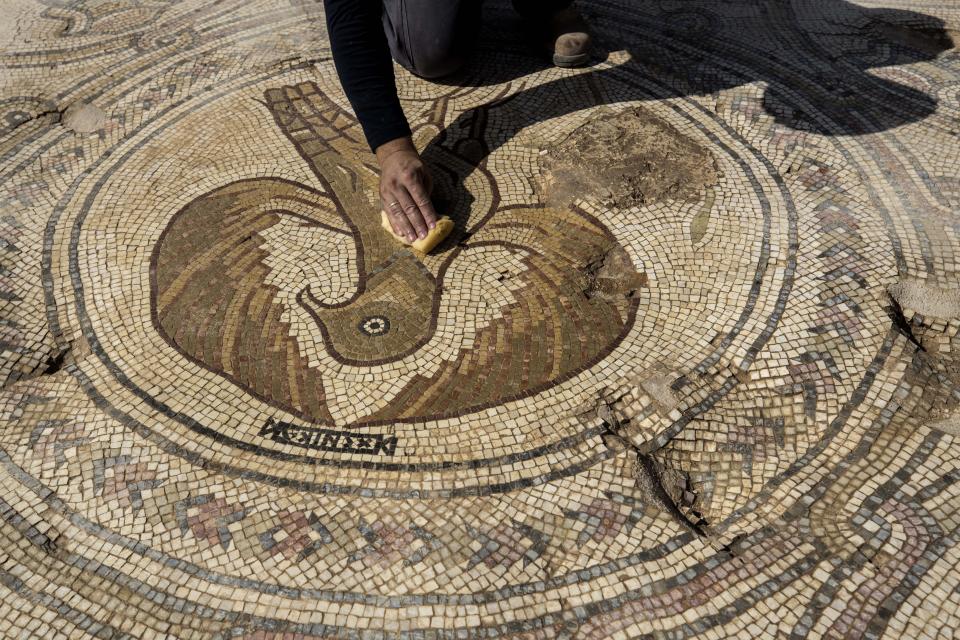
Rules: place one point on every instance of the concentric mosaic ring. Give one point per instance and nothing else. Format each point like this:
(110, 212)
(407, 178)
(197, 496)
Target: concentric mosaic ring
(304, 211)
(682, 369)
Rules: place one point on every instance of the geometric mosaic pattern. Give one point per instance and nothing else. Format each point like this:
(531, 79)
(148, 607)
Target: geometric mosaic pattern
(658, 404)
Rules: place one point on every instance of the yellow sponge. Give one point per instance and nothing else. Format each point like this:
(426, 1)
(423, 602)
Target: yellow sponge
(425, 245)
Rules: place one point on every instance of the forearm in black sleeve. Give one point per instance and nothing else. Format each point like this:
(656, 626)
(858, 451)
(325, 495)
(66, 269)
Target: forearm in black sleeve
(362, 58)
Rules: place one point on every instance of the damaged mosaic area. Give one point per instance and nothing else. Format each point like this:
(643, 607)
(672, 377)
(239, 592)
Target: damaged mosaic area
(686, 366)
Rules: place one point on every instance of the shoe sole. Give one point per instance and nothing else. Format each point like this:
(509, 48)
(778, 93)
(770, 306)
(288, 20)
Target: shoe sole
(571, 61)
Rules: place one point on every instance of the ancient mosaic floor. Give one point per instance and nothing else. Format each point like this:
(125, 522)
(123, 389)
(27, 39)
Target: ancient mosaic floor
(687, 367)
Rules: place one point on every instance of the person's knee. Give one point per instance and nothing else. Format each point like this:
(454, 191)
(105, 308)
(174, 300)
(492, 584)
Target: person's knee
(431, 38)
(436, 60)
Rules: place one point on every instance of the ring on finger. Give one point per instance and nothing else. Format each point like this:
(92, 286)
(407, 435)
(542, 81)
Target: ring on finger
(393, 204)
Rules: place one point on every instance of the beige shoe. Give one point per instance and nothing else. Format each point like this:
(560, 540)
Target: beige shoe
(570, 40)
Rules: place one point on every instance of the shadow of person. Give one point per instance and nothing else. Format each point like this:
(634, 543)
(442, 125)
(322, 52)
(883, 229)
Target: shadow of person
(816, 60)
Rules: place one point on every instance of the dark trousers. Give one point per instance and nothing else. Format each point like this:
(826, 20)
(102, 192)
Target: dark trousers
(433, 38)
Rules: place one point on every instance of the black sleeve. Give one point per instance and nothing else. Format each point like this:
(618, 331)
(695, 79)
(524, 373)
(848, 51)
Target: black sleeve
(362, 58)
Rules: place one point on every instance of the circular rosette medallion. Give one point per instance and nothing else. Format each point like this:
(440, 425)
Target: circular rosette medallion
(253, 313)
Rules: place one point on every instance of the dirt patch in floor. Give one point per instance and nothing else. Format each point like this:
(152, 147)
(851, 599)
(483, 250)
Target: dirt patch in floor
(623, 159)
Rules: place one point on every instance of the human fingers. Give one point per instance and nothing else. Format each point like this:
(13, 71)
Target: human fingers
(421, 198)
(412, 211)
(398, 220)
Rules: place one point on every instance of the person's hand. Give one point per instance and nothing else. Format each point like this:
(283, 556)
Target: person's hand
(405, 187)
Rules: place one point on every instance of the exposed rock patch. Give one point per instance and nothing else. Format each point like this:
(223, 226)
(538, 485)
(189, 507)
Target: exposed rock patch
(950, 425)
(81, 117)
(926, 299)
(659, 387)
